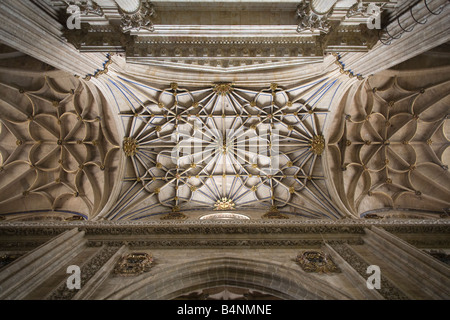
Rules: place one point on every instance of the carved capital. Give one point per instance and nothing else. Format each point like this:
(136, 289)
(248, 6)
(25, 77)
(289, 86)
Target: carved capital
(140, 20)
(311, 20)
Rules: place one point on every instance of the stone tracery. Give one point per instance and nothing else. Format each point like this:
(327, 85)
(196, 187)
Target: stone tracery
(188, 149)
(393, 145)
(56, 154)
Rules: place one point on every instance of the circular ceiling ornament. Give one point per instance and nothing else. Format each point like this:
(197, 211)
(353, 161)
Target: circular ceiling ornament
(224, 216)
(129, 146)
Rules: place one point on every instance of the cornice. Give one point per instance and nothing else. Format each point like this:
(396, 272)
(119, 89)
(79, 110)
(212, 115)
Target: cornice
(237, 226)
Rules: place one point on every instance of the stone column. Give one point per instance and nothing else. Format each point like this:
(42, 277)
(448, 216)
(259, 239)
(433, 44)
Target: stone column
(29, 29)
(414, 32)
(129, 6)
(322, 6)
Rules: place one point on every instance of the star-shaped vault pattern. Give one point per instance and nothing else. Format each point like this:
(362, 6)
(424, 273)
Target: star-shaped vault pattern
(222, 147)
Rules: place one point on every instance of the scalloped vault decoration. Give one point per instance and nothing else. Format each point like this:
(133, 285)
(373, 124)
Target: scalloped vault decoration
(56, 155)
(392, 146)
(188, 149)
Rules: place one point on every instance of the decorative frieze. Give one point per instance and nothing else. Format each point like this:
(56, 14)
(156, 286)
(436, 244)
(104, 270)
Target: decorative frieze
(347, 226)
(228, 243)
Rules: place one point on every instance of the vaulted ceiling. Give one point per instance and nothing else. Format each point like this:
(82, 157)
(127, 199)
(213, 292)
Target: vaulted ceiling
(390, 149)
(59, 151)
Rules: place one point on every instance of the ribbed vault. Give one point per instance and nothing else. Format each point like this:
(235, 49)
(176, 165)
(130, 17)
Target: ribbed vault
(223, 147)
(58, 154)
(392, 148)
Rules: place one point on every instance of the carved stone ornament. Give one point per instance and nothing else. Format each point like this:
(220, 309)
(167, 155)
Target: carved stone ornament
(223, 88)
(274, 213)
(133, 264)
(7, 259)
(316, 261)
(224, 204)
(388, 290)
(318, 144)
(439, 255)
(88, 270)
(141, 19)
(86, 7)
(364, 9)
(372, 216)
(175, 215)
(310, 20)
(129, 146)
(75, 218)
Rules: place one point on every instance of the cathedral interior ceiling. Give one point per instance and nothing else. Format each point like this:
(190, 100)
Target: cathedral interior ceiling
(183, 122)
(223, 147)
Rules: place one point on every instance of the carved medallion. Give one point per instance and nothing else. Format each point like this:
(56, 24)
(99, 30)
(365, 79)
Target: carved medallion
(133, 264)
(140, 19)
(129, 146)
(317, 145)
(316, 261)
(223, 88)
(310, 20)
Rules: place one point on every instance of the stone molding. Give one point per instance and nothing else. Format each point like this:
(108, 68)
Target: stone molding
(88, 271)
(281, 226)
(388, 290)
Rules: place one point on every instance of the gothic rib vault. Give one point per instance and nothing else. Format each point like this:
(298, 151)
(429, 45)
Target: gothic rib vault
(201, 141)
(262, 149)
